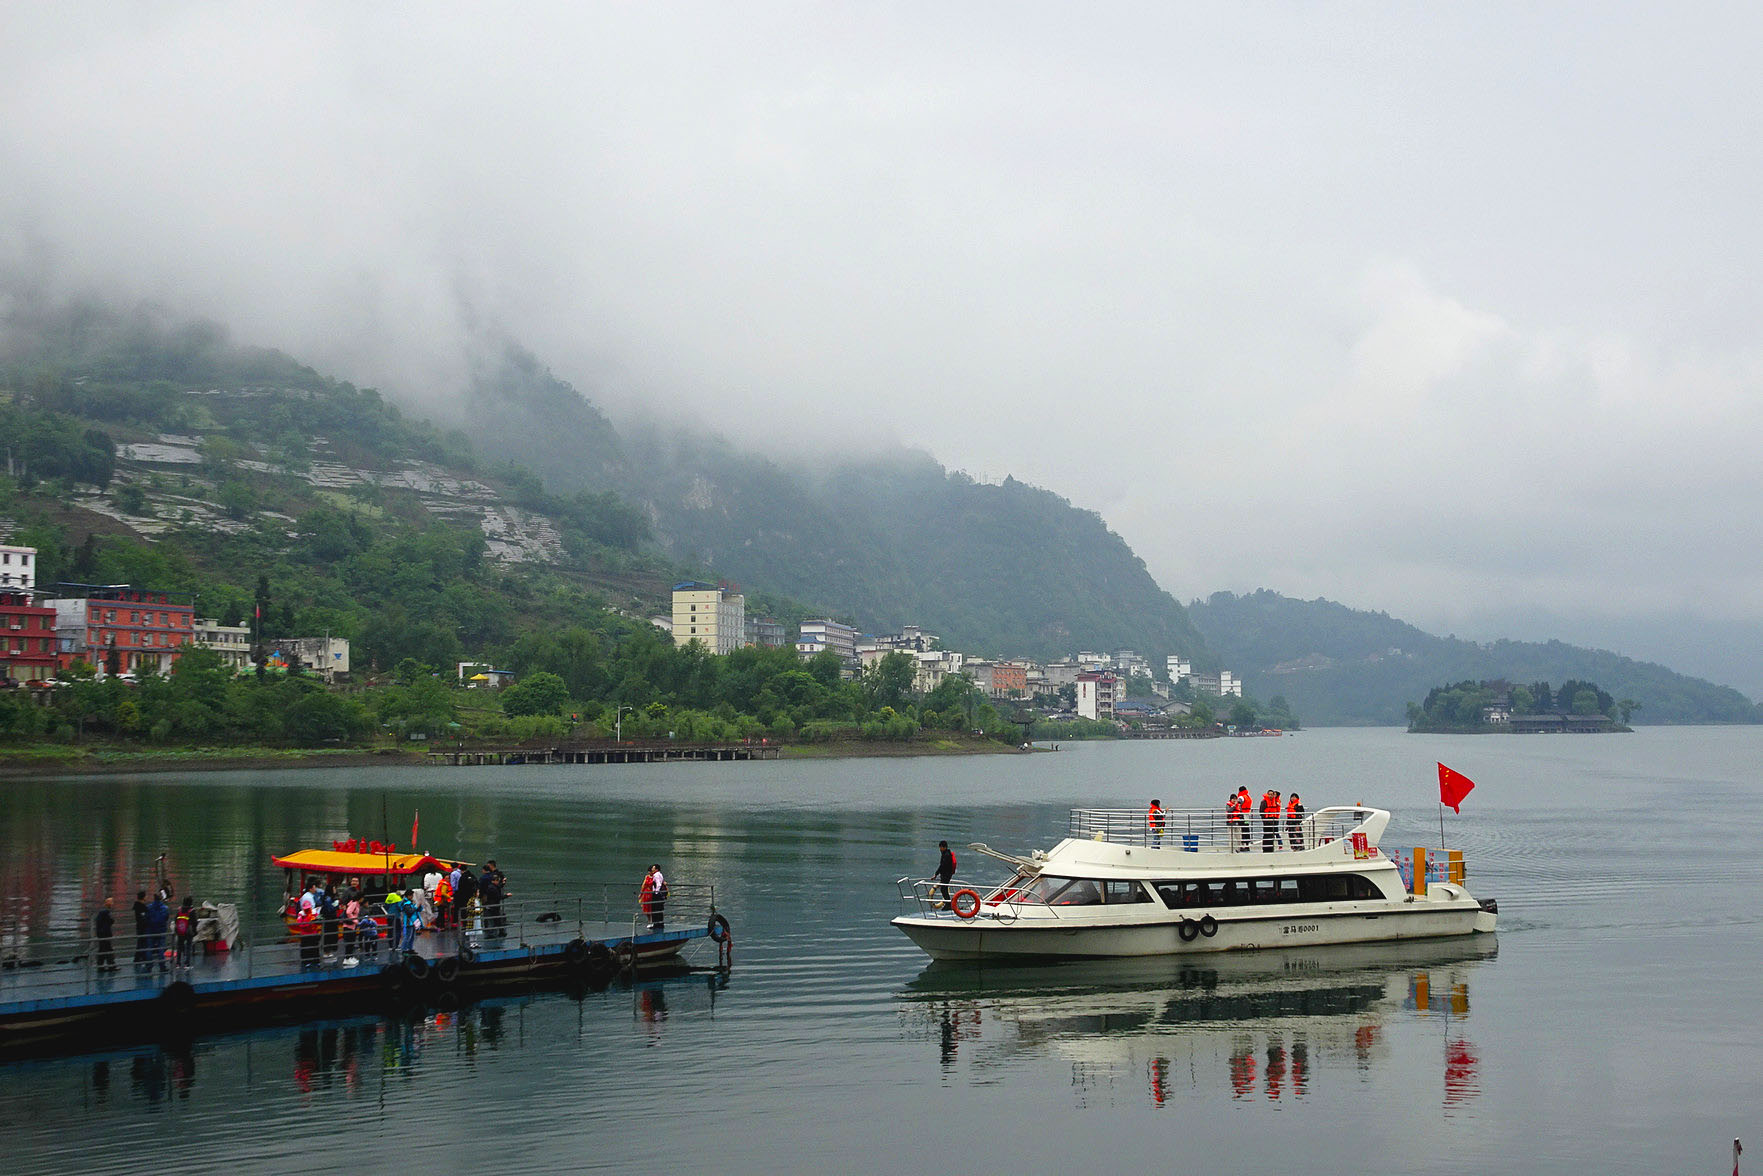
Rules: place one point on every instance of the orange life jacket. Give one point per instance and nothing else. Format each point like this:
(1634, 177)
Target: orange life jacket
(1155, 817)
(1293, 808)
(1239, 804)
(1269, 804)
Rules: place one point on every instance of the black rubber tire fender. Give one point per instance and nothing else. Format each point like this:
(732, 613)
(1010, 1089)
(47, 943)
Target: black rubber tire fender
(718, 929)
(447, 970)
(178, 1000)
(467, 952)
(416, 967)
(575, 952)
(1188, 929)
(1208, 926)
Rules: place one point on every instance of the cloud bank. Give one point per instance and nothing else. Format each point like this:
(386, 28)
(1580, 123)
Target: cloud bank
(1446, 312)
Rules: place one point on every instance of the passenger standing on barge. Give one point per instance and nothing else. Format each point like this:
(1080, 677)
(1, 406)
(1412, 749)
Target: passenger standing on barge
(1155, 819)
(103, 929)
(1295, 823)
(185, 926)
(1237, 814)
(140, 927)
(655, 898)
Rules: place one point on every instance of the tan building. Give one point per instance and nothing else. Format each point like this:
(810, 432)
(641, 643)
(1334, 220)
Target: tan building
(715, 616)
(232, 642)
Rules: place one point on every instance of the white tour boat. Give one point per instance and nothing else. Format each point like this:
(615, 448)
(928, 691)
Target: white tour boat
(1200, 882)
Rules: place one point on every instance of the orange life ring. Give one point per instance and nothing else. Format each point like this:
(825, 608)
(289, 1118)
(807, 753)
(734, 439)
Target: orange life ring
(973, 907)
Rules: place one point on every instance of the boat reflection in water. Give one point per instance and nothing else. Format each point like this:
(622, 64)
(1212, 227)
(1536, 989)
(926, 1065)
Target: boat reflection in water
(366, 1054)
(1264, 1025)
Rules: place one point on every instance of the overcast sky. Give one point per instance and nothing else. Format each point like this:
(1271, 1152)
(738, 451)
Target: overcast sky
(1445, 310)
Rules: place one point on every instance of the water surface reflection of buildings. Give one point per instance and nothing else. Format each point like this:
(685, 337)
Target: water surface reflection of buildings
(1265, 1027)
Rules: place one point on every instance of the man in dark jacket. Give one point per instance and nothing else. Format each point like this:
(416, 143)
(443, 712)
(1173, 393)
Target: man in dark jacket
(140, 909)
(945, 867)
(158, 915)
(104, 930)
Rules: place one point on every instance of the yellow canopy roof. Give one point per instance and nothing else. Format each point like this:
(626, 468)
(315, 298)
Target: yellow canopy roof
(330, 861)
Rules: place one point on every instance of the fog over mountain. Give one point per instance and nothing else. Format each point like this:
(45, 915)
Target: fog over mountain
(1439, 311)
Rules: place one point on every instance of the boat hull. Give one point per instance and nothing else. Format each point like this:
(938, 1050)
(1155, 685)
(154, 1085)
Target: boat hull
(991, 938)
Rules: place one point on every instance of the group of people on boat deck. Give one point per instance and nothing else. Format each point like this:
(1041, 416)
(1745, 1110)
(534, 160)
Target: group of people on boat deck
(153, 920)
(332, 917)
(1238, 807)
(328, 916)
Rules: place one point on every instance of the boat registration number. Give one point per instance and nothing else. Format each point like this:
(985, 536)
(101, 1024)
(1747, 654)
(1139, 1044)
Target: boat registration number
(1299, 928)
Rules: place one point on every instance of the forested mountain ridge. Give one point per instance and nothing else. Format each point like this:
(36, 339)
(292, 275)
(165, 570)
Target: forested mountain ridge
(881, 539)
(1342, 666)
(234, 451)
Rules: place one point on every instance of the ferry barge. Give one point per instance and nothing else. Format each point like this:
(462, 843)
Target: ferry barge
(1196, 882)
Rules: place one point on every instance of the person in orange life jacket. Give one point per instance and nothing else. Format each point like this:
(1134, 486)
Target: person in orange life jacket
(306, 930)
(443, 899)
(1240, 820)
(1154, 819)
(945, 867)
(185, 927)
(1295, 823)
(1269, 820)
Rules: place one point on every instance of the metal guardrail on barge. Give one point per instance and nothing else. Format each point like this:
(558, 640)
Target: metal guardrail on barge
(61, 993)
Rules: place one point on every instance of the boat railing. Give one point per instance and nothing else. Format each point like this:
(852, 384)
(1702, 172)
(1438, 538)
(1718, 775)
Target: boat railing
(1192, 830)
(936, 899)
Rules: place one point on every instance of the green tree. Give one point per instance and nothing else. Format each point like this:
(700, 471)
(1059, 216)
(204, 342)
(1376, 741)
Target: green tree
(542, 693)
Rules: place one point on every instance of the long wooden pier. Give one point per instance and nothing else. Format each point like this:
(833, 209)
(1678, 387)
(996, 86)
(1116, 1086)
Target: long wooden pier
(604, 753)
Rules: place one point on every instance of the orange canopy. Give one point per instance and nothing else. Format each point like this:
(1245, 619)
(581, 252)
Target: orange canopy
(330, 861)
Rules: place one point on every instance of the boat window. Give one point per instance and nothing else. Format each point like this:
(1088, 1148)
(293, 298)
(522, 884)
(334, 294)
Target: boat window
(1081, 892)
(1288, 890)
(1264, 890)
(1043, 888)
(1336, 888)
(1123, 890)
(1181, 894)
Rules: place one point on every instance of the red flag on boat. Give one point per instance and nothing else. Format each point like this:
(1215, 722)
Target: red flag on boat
(1453, 787)
(416, 815)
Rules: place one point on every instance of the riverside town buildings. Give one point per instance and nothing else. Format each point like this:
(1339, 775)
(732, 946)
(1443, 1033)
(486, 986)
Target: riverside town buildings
(121, 629)
(711, 614)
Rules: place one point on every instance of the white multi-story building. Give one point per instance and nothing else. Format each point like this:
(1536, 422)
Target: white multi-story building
(232, 642)
(18, 569)
(1096, 693)
(1224, 684)
(1179, 668)
(933, 666)
(815, 636)
(712, 615)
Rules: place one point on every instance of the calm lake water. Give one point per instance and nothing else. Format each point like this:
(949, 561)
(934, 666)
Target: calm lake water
(1614, 1021)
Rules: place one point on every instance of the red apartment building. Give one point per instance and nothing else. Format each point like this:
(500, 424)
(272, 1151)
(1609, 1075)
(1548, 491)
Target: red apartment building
(27, 639)
(143, 629)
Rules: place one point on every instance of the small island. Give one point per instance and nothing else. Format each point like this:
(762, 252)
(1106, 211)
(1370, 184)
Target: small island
(1499, 708)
